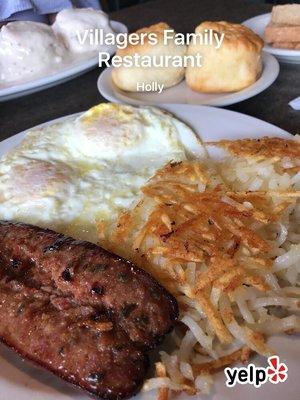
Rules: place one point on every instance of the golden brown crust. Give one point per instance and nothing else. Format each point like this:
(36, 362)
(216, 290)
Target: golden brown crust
(235, 65)
(265, 147)
(186, 225)
(236, 35)
(163, 393)
(158, 28)
(145, 47)
(205, 245)
(129, 79)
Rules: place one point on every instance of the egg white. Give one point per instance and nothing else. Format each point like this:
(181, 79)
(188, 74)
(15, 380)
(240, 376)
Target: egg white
(68, 176)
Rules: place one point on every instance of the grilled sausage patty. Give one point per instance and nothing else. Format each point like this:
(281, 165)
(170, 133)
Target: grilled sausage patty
(83, 313)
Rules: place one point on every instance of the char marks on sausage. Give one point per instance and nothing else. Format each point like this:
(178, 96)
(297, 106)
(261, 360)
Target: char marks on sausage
(81, 312)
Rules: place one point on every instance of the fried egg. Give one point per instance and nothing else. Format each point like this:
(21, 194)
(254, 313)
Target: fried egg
(69, 175)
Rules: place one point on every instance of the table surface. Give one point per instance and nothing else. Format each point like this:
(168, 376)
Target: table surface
(81, 93)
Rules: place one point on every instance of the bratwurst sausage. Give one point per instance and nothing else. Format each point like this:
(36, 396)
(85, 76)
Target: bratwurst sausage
(96, 358)
(83, 313)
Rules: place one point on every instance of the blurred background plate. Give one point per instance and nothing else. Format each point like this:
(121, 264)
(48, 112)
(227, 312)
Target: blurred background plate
(258, 25)
(76, 68)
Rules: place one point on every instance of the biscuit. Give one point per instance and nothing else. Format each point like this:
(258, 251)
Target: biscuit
(128, 78)
(235, 65)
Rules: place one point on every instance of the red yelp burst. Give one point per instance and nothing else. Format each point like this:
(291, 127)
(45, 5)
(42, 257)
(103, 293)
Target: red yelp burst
(277, 371)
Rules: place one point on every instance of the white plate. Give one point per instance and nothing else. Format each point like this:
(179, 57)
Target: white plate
(182, 94)
(258, 25)
(69, 72)
(20, 380)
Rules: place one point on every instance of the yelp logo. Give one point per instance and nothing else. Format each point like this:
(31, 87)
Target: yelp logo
(275, 372)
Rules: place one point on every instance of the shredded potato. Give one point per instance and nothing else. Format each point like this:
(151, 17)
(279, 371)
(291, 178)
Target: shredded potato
(265, 147)
(228, 253)
(163, 392)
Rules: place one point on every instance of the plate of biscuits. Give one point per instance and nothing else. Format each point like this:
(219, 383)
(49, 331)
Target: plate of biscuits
(280, 30)
(233, 68)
